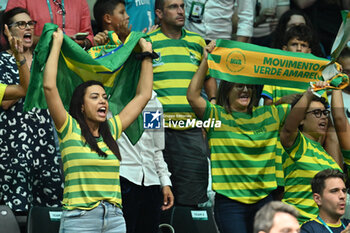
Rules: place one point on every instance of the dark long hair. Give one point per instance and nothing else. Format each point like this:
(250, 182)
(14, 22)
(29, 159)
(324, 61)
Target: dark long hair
(281, 28)
(75, 111)
(6, 18)
(224, 90)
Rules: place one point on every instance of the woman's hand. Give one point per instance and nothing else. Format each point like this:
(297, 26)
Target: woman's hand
(145, 45)
(16, 44)
(318, 85)
(57, 37)
(208, 49)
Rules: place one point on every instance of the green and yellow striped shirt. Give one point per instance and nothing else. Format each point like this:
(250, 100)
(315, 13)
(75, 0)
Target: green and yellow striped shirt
(243, 151)
(177, 63)
(89, 178)
(306, 158)
(276, 92)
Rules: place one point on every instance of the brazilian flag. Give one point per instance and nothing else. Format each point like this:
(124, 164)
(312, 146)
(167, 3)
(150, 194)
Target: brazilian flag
(114, 65)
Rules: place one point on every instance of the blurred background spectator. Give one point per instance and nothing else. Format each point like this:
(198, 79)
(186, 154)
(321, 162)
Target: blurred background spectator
(72, 16)
(325, 16)
(267, 14)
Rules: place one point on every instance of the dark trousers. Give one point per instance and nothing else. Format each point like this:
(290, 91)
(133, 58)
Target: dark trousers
(141, 207)
(234, 216)
(186, 153)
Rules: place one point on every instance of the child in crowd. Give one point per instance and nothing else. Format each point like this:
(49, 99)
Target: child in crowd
(290, 19)
(110, 15)
(297, 39)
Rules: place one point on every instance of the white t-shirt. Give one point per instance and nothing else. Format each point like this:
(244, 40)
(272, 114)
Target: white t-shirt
(217, 18)
(268, 27)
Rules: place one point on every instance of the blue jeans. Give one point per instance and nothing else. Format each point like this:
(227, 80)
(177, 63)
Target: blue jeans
(233, 216)
(105, 218)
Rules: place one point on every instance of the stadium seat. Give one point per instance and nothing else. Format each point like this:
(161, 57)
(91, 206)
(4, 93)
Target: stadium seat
(44, 219)
(185, 219)
(166, 228)
(8, 222)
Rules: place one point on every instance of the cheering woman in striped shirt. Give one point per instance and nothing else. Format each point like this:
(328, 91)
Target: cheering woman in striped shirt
(243, 149)
(90, 155)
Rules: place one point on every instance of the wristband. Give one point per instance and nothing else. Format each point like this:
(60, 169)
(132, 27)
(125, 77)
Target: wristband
(212, 98)
(141, 56)
(21, 63)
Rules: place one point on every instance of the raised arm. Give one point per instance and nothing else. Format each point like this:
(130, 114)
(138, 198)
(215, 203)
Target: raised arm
(53, 99)
(341, 123)
(297, 114)
(194, 98)
(210, 88)
(289, 130)
(17, 91)
(143, 91)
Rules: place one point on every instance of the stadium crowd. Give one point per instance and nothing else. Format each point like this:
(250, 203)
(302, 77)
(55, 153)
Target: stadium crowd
(265, 160)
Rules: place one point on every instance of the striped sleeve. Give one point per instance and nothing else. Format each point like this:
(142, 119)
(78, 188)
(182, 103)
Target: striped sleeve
(211, 112)
(267, 91)
(283, 110)
(115, 126)
(66, 128)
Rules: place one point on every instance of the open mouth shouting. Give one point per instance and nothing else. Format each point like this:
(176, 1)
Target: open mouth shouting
(27, 37)
(323, 125)
(102, 112)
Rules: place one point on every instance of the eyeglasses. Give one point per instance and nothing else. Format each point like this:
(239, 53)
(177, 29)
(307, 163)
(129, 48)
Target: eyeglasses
(240, 87)
(319, 112)
(23, 24)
